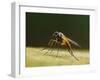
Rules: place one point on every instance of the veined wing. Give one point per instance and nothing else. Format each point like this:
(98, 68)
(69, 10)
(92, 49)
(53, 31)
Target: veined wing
(73, 42)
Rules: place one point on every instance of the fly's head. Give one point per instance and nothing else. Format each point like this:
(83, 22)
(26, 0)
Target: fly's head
(57, 34)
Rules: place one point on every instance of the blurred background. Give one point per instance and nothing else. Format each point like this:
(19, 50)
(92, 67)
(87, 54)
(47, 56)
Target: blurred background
(40, 27)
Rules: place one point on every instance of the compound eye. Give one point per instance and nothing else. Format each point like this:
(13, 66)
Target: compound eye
(60, 34)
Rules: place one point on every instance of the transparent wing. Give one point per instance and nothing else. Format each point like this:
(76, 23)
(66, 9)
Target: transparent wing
(73, 42)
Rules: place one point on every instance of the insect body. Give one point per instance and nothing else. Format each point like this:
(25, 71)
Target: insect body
(60, 39)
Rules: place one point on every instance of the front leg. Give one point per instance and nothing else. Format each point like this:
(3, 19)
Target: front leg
(51, 43)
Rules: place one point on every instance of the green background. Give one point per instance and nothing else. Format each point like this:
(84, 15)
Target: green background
(40, 26)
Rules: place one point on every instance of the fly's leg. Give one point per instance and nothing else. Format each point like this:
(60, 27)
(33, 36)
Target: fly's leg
(55, 43)
(58, 49)
(71, 51)
(51, 44)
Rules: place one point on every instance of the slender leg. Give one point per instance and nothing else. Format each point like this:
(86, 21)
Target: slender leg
(58, 49)
(50, 45)
(53, 46)
(71, 52)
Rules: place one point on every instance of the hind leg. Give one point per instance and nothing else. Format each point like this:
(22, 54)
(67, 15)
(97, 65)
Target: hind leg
(71, 51)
